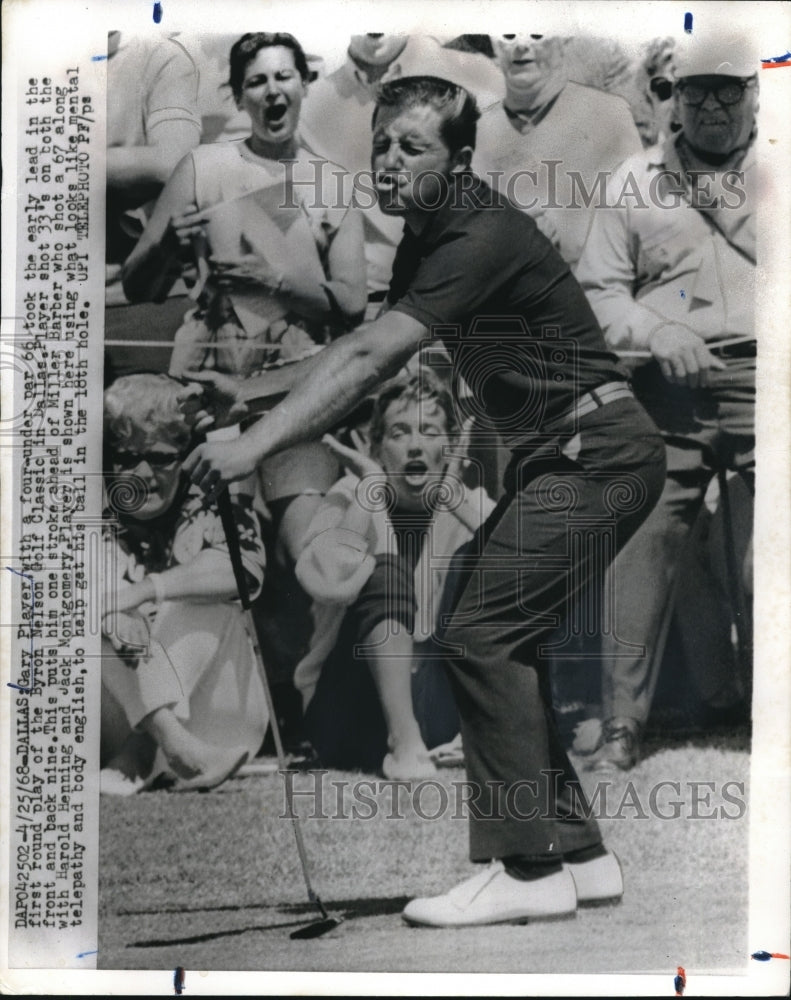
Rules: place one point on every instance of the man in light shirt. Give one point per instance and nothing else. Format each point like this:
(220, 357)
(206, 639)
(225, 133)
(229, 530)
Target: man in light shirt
(670, 272)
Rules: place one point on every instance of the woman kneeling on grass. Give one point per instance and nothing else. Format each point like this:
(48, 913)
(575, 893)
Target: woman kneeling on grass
(377, 562)
(182, 699)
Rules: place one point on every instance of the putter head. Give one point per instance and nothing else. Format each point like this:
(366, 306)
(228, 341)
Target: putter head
(316, 929)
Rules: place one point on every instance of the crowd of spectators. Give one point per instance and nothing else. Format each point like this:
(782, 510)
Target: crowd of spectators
(224, 267)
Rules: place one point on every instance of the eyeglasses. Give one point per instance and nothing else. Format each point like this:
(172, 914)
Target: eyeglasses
(156, 459)
(692, 94)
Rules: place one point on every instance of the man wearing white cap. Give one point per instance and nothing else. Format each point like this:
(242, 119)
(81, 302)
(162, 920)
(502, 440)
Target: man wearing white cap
(547, 142)
(670, 271)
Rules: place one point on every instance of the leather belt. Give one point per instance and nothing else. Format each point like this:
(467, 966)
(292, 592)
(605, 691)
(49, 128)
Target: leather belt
(741, 349)
(592, 400)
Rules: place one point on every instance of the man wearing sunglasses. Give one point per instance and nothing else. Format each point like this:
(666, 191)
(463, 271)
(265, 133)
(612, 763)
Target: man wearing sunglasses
(670, 271)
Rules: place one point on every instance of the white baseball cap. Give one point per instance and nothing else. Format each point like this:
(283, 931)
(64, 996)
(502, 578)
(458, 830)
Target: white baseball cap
(702, 55)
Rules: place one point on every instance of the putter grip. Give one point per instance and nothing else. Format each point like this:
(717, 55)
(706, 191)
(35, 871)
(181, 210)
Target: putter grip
(225, 507)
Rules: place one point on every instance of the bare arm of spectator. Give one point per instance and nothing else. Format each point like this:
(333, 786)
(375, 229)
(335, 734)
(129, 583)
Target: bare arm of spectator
(202, 569)
(153, 265)
(171, 122)
(208, 575)
(175, 222)
(131, 166)
(343, 292)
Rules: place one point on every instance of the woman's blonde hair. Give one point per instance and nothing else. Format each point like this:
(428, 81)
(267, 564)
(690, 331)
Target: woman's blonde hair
(141, 409)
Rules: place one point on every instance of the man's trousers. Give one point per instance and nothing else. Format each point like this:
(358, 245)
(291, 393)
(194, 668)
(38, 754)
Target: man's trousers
(570, 504)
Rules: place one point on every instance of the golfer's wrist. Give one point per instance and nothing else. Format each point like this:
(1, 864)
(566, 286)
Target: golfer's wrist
(253, 447)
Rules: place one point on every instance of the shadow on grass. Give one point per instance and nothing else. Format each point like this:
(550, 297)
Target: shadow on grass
(738, 740)
(348, 909)
(213, 935)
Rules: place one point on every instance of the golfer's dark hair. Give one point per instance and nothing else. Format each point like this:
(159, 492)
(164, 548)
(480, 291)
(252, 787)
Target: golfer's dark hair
(424, 386)
(247, 48)
(456, 105)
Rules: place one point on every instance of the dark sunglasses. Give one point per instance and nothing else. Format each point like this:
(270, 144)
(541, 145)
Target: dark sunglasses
(661, 88)
(730, 93)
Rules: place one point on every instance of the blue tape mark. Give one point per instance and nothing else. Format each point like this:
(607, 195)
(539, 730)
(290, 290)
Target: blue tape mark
(27, 576)
(778, 59)
(688, 23)
(82, 954)
(98, 58)
(157, 13)
(683, 294)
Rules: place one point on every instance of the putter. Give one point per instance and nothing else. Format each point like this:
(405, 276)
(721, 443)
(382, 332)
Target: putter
(327, 923)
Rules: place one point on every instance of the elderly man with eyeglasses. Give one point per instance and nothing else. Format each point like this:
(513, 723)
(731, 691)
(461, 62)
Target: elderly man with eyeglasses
(669, 269)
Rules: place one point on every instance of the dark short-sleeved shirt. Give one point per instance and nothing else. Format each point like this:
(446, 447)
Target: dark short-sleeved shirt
(519, 329)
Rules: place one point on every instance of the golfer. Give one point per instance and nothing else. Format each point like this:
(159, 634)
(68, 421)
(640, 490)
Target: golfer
(478, 273)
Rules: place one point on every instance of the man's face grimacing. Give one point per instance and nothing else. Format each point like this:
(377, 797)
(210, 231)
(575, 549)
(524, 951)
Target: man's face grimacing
(717, 113)
(411, 450)
(410, 161)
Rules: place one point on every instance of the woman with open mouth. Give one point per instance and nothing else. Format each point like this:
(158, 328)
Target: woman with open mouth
(279, 255)
(278, 247)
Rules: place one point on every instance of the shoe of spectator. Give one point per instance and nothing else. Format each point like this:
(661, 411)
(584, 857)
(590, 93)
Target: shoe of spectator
(113, 782)
(408, 766)
(495, 897)
(598, 882)
(303, 757)
(226, 763)
(620, 745)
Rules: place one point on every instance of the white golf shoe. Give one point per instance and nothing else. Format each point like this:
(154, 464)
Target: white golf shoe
(598, 882)
(495, 897)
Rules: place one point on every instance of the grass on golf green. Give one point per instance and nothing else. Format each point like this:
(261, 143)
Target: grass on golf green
(212, 881)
